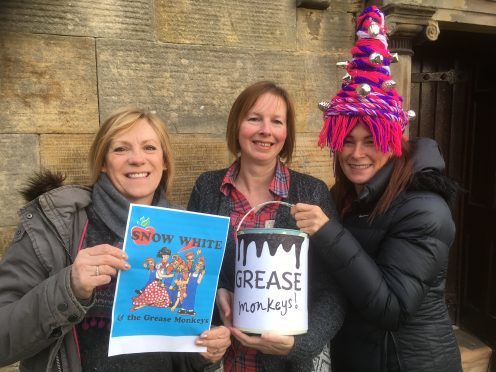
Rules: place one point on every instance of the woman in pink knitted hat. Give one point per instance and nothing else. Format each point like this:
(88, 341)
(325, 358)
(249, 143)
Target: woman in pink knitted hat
(389, 253)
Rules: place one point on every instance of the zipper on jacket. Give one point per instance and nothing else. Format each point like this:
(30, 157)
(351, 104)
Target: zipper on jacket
(57, 362)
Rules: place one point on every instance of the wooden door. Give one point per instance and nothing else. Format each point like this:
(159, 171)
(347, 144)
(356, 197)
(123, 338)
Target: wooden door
(453, 93)
(439, 95)
(478, 310)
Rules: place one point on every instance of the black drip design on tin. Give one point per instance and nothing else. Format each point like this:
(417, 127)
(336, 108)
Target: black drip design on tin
(273, 241)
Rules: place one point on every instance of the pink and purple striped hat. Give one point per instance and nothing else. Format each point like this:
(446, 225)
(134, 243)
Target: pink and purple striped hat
(367, 94)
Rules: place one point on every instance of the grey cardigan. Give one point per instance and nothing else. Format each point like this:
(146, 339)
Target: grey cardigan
(326, 305)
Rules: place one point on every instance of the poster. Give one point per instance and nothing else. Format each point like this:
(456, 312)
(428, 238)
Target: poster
(165, 301)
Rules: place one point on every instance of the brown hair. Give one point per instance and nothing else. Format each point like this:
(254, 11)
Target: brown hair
(245, 102)
(344, 190)
(120, 121)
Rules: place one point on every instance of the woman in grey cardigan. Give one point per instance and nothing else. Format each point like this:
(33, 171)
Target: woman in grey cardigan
(261, 134)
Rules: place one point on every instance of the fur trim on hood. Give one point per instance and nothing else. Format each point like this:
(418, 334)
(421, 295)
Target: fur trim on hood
(434, 181)
(40, 183)
(429, 166)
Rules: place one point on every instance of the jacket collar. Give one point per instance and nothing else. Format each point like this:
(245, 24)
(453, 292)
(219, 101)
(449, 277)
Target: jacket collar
(373, 190)
(426, 158)
(58, 207)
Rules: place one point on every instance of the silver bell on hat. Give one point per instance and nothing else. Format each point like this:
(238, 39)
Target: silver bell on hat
(363, 90)
(374, 29)
(323, 105)
(388, 84)
(376, 58)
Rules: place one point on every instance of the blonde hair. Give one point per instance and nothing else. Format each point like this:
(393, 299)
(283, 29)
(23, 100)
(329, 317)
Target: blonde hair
(120, 121)
(245, 101)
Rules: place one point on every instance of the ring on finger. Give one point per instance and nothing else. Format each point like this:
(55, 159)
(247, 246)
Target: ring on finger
(97, 270)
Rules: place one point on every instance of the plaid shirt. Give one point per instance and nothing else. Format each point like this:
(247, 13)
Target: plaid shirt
(279, 187)
(240, 358)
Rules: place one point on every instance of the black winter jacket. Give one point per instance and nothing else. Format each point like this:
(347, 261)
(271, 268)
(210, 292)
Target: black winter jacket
(393, 272)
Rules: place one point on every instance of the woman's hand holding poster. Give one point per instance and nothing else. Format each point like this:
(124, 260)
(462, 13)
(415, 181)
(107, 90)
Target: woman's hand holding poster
(165, 301)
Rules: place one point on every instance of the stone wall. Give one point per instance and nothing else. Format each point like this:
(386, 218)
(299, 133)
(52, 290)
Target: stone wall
(64, 66)
(459, 15)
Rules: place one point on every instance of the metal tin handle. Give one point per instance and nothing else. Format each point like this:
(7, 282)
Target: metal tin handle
(262, 205)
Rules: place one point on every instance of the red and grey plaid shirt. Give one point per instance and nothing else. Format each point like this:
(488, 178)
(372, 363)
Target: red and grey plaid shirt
(238, 357)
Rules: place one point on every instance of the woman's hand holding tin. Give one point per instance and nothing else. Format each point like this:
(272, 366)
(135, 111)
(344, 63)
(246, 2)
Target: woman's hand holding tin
(224, 301)
(267, 343)
(309, 218)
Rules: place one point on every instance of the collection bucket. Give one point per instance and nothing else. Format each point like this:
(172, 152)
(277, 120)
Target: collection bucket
(271, 283)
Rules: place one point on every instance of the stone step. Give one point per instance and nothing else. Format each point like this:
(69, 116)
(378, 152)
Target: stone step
(475, 354)
(11, 368)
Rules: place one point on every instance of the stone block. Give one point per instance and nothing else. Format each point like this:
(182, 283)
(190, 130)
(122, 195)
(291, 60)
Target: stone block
(11, 368)
(193, 87)
(123, 19)
(475, 354)
(351, 6)
(321, 80)
(195, 154)
(313, 4)
(324, 30)
(19, 158)
(48, 84)
(310, 159)
(482, 7)
(257, 24)
(6, 235)
(68, 154)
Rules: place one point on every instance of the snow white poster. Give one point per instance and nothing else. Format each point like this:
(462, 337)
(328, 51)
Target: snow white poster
(165, 301)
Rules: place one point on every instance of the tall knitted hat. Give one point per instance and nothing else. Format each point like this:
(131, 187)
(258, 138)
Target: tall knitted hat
(367, 94)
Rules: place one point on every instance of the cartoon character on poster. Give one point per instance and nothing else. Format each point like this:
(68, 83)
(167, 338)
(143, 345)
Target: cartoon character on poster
(170, 285)
(154, 293)
(149, 264)
(194, 280)
(166, 299)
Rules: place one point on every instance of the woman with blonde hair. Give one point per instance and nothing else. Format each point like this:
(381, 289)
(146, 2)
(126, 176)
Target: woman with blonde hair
(57, 278)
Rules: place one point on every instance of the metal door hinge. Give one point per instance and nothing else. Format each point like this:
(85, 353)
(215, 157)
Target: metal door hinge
(451, 77)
